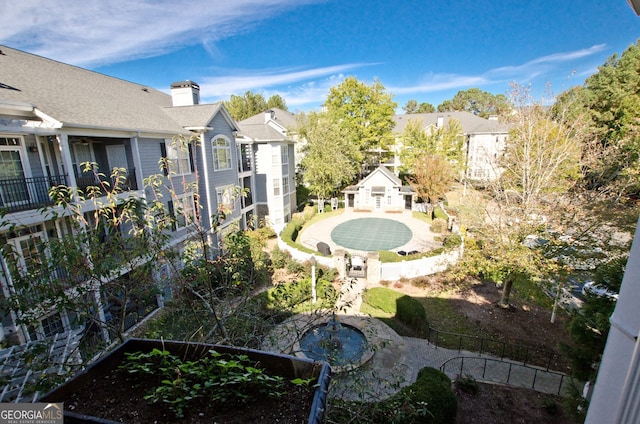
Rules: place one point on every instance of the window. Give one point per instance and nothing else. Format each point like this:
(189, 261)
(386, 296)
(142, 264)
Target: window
(11, 168)
(179, 158)
(225, 198)
(221, 153)
(276, 155)
(28, 246)
(285, 184)
(52, 325)
(284, 154)
(183, 209)
(276, 186)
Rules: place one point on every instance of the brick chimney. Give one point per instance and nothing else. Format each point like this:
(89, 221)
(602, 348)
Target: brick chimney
(185, 93)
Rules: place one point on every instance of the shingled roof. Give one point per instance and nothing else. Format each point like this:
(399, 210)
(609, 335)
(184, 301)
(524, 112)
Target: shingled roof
(256, 128)
(77, 97)
(471, 124)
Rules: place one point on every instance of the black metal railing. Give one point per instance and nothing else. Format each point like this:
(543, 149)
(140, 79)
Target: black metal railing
(516, 351)
(505, 372)
(86, 180)
(20, 194)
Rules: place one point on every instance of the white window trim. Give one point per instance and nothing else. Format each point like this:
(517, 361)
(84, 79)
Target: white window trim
(277, 185)
(184, 206)
(178, 158)
(17, 248)
(224, 198)
(216, 153)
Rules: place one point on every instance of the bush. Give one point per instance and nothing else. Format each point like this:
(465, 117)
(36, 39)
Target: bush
(411, 312)
(439, 225)
(453, 241)
(428, 400)
(279, 258)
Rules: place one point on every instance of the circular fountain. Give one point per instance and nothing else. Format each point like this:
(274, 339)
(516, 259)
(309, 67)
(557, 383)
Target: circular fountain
(343, 346)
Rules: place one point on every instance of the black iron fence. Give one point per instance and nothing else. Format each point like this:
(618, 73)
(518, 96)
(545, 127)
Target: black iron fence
(504, 372)
(20, 194)
(88, 179)
(523, 353)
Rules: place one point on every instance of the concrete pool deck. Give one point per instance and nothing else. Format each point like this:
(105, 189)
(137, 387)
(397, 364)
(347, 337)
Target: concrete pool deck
(422, 238)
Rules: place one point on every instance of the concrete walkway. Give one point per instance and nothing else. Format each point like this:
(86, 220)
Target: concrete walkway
(396, 362)
(422, 240)
(391, 362)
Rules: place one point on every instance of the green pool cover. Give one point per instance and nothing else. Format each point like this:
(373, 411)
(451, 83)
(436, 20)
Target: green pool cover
(371, 234)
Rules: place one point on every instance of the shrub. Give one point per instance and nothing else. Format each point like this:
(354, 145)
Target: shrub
(279, 258)
(453, 241)
(411, 312)
(439, 225)
(428, 400)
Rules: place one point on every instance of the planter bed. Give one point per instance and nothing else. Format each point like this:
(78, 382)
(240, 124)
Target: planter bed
(104, 393)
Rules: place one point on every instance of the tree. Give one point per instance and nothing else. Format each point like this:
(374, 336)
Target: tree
(412, 107)
(611, 100)
(330, 160)
(431, 177)
(426, 108)
(589, 325)
(250, 104)
(365, 113)
(541, 162)
(541, 156)
(277, 102)
(478, 102)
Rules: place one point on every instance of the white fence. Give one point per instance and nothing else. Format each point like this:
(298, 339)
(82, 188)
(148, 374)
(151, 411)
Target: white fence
(301, 256)
(390, 271)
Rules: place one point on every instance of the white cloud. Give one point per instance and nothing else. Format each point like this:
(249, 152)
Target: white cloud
(521, 73)
(97, 32)
(241, 81)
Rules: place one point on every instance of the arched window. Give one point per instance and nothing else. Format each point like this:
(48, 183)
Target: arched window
(221, 153)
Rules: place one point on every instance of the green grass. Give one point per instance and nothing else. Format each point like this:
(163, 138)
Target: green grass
(382, 303)
(426, 217)
(442, 315)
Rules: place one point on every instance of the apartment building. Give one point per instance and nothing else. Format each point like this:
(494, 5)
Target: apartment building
(55, 120)
(484, 140)
(271, 140)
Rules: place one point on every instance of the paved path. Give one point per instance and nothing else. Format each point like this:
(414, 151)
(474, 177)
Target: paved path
(397, 360)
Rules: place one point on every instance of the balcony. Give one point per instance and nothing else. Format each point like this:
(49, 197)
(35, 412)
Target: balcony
(20, 194)
(86, 179)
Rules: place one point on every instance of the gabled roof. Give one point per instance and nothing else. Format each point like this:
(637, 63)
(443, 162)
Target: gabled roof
(384, 171)
(197, 116)
(395, 181)
(257, 128)
(77, 97)
(471, 124)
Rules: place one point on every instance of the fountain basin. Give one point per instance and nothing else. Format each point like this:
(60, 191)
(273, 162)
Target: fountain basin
(338, 345)
(335, 341)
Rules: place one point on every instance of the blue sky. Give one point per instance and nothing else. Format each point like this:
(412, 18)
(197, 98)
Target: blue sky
(424, 50)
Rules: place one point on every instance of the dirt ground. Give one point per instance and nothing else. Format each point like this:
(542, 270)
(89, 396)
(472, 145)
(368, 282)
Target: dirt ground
(525, 322)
